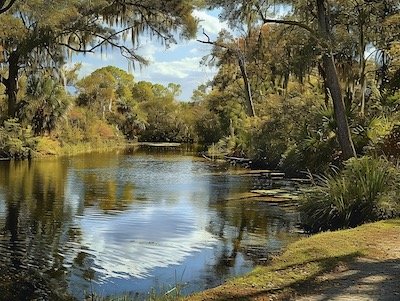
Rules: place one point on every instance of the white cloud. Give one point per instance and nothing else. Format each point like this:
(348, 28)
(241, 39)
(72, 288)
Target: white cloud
(141, 250)
(210, 24)
(194, 51)
(186, 72)
(180, 63)
(148, 50)
(179, 68)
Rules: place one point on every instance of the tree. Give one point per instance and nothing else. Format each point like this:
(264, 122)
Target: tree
(236, 10)
(45, 102)
(103, 88)
(108, 93)
(166, 118)
(332, 82)
(34, 36)
(234, 50)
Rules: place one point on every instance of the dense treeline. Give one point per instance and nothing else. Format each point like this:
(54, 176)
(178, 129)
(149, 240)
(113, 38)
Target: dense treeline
(297, 123)
(109, 107)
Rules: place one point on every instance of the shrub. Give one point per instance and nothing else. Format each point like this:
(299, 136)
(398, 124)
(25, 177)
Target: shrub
(365, 190)
(390, 145)
(16, 141)
(47, 146)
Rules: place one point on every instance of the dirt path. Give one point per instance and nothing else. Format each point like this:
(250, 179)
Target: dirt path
(365, 279)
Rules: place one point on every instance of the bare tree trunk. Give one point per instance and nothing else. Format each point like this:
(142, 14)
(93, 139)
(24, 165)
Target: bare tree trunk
(249, 97)
(241, 62)
(332, 83)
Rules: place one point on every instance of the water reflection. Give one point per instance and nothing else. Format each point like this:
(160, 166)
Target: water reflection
(32, 222)
(128, 221)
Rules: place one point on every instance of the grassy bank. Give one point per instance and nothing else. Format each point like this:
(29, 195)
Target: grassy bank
(298, 269)
(50, 147)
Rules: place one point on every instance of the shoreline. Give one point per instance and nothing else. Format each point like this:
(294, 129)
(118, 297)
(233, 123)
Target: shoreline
(54, 149)
(306, 268)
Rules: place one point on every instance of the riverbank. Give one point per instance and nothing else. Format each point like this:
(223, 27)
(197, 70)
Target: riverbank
(352, 264)
(48, 147)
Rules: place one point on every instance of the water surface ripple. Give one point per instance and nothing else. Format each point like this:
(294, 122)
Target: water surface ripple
(129, 221)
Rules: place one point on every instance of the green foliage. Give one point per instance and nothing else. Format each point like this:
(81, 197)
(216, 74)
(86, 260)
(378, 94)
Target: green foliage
(47, 146)
(108, 93)
(165, 118)
(378, 128)
(208, 126)
(367, 189)
(44, 104)
(83, 126)
(390, 144)
(16, 141)
(314, 145)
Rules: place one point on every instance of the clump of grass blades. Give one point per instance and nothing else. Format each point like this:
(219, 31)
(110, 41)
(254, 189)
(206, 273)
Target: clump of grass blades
(366, 190)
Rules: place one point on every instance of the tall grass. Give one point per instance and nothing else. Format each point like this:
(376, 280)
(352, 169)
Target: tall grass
(367, 189)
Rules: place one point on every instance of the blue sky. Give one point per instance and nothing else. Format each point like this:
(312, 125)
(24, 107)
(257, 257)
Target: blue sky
(179, 63)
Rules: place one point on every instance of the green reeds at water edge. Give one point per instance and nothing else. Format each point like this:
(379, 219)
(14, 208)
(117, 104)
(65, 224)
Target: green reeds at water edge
(367, 189)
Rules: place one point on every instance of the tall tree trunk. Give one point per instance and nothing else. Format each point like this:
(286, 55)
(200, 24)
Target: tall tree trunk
(11, 84)
(362, 63)
(333, 85)
(249, 97)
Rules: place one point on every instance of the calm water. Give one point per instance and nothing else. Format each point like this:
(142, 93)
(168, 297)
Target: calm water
(129, 221)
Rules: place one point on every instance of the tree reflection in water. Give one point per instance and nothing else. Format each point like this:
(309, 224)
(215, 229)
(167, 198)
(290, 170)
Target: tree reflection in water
(31, 224)
(117, 221)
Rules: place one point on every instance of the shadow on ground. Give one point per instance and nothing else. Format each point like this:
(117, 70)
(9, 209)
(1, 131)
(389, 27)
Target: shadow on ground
(341, 278)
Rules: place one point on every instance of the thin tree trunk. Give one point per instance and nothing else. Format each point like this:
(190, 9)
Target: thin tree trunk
(363, 65)
(11, 84)
(332, 83)
(249, 96)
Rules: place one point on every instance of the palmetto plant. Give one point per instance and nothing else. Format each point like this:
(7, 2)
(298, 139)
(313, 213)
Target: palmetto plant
(367, 189)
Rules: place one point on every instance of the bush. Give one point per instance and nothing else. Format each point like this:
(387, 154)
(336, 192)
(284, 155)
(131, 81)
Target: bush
(47, 146)
(390, 144)
(366, 190)
(16, 141)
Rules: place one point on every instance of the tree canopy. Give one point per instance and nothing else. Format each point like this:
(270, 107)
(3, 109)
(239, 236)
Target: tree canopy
(34, 38)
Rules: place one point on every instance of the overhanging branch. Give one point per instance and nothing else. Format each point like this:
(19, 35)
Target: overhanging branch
(311, 31)
(4, 7)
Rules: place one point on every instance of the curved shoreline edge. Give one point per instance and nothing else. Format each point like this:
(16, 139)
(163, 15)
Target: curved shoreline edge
(308, 265)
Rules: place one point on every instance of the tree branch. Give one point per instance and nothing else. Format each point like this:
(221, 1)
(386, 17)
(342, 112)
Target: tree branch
(7, 7)
(312, 32)
(213, 42)
(290, 22)
(80, 50)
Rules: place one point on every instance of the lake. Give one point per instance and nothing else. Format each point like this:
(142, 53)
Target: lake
(131, 221)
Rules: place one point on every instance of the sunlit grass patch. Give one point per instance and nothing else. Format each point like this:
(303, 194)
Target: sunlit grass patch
(304, 260)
